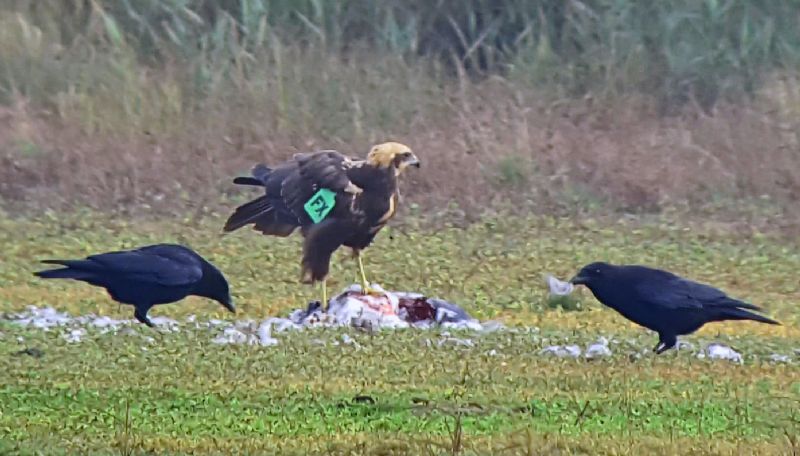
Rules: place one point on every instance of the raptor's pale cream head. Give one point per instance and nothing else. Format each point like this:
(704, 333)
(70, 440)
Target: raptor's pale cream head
(392, 154)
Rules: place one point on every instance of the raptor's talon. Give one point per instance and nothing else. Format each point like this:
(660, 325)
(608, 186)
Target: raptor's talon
(371, 291)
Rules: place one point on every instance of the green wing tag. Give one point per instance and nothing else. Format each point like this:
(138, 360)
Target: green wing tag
(320, 205)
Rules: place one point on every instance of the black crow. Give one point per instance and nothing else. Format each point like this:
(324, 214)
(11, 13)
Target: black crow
(334, 199)
(662, 301)
(151, 275)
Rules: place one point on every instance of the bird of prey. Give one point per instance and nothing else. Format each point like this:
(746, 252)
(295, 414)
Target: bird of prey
(148, 276)
(335, 200)
(662, 301)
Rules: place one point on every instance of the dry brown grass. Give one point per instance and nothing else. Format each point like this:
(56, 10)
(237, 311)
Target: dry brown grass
(485, 145)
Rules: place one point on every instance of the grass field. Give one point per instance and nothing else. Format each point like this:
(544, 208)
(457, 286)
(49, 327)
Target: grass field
(181, 394)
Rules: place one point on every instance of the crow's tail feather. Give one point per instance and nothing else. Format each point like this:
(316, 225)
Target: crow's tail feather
(72, 270)
(730, 302)
(736, 313)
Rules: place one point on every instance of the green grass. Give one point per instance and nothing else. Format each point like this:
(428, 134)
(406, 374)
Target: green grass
(181, 394)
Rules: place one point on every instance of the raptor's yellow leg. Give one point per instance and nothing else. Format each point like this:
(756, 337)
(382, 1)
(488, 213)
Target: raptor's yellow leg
(324, 294)
(365, 288)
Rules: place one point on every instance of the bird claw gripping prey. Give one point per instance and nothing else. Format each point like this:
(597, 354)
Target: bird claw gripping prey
(369, 290)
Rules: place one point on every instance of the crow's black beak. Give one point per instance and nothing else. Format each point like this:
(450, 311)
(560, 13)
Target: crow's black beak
(577, 280)
(228, 304)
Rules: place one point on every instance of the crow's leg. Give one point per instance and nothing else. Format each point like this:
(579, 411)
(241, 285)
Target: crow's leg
(141, 314)
(665, 342)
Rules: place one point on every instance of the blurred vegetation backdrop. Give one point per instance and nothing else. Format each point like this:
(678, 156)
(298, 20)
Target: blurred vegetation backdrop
(550, 105)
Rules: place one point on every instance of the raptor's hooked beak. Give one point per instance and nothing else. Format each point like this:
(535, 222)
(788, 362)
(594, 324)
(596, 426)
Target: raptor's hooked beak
(413, 161)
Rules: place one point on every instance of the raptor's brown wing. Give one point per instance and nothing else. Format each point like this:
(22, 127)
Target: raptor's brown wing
(315, 171)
